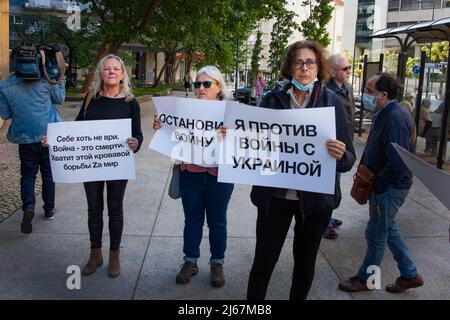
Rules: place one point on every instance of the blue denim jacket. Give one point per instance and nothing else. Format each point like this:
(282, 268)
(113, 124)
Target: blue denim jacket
(29, 104)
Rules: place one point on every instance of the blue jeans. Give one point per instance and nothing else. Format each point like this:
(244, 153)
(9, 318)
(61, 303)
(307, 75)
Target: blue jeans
(32, 158)
(381, 229)
(200, 193)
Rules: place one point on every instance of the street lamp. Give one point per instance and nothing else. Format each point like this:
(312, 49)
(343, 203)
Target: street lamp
(237, 14)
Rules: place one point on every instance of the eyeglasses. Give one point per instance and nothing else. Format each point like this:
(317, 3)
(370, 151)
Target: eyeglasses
(309, 63)
(348, 68)
(206, 84)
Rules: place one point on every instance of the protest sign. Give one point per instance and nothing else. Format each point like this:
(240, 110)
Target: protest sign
(278, 148)
(84, 151)
(188, 129)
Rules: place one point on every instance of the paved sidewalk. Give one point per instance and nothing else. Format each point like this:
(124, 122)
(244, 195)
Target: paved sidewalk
(34, 266)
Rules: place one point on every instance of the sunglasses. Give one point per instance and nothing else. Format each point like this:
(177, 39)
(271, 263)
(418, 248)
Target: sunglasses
(345, 68)
(206, 84)
(309, 63)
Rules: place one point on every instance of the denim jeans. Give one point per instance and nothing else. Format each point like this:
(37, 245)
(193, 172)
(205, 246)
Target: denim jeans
(200, 194)
(32, 158)
(381, 229)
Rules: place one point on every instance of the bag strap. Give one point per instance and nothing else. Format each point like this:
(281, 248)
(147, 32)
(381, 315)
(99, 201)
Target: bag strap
(86, 103)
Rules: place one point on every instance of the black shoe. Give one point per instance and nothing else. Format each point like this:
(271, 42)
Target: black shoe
(50, 215)
(330, 233)
(336, 223)
(188, 270)
(26, 226)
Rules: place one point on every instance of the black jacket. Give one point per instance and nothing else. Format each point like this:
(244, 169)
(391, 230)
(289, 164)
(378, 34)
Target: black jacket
(348, 101)
(310, 202)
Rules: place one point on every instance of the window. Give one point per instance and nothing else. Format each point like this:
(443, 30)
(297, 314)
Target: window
(17, 19)
(393, 5)
(408, 5)
(430, 4)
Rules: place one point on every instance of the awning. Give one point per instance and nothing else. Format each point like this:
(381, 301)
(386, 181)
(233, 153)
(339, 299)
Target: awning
(422, 32)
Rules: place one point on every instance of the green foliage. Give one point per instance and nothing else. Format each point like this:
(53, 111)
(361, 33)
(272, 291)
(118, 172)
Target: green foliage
(410, 63)
(210, 33)
(281, 31)
(314, 27)
(390, 62)
(439, 51)
(256, 56)
(80, 46)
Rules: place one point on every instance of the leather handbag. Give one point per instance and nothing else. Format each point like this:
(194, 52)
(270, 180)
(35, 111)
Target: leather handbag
(174, 187)
(363, 181)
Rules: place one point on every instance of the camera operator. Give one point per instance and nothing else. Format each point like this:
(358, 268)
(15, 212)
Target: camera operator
(29, 99)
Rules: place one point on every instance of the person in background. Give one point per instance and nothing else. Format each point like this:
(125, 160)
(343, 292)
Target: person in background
(259, 85)
(187, 82)
(202, 195)
(407, 102)
(425, 124)
(339, 74)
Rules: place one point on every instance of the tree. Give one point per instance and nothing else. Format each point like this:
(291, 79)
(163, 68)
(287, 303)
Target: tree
(439, 53)
(46, 30)
(314, 27)
(256, 56)
(281, 31)
(119, 22)
(210, 33)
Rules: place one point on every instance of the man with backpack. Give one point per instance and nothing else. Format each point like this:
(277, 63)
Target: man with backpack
(28, 98)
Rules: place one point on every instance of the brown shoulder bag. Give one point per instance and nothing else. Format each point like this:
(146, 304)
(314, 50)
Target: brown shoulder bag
(363, 181)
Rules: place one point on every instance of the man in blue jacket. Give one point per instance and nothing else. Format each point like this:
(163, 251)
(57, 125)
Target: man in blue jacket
(29, 103)
(391, 124)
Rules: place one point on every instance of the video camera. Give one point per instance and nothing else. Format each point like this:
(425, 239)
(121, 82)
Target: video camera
(32, 62)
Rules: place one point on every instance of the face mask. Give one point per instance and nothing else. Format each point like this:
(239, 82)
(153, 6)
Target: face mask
(301, 87)
(369, 101)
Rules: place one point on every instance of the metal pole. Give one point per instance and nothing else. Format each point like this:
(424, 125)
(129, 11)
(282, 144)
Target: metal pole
(443, 139)
(423, 56)
(237, 70)
(361, 108)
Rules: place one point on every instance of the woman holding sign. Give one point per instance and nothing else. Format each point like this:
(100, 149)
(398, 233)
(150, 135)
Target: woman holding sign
(201, 194)
(305, 68)
(109, 98)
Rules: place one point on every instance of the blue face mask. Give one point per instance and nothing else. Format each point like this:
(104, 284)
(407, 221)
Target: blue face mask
(302, 87)
(369, 101)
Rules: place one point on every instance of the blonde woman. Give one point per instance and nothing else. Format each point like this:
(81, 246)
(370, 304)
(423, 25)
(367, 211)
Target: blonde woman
(110, 97)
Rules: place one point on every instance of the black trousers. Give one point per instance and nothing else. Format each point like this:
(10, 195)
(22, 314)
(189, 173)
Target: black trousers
(271, 230)
(94, 195)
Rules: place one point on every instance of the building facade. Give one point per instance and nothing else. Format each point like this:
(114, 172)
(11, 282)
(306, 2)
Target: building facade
(373, 15)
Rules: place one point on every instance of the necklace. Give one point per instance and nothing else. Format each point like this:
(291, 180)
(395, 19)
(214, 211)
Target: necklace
(112, 96)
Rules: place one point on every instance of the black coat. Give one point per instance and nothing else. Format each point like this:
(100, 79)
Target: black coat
(310, 202)
(348, 101)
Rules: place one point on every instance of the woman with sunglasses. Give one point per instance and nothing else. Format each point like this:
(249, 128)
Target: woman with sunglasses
(305, 67)
(202, 195)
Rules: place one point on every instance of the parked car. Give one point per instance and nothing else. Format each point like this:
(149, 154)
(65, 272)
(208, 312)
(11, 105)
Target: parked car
(266, 91)
(243, 94)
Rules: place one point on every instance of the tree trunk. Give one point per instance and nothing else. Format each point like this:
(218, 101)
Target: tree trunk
(108, 46)
(170, 63)
(158, 79)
